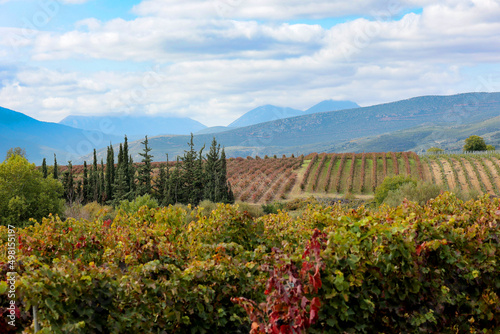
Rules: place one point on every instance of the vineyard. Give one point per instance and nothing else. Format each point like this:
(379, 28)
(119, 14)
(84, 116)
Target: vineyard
(263, 180)
(258, 180)
(412, 269)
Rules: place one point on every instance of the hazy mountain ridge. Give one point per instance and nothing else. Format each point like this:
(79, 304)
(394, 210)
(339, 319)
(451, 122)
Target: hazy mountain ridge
(43, 139)
(332, 131)
(135, 127)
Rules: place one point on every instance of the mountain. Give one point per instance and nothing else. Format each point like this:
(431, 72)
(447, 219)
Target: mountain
(135, 127)
(334, 131)
(331, 105)
(271, 113)
(264, 114)
(43, 139)
(214, 129)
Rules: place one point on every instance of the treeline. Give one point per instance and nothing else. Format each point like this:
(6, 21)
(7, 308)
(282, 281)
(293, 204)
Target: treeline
(189, 180)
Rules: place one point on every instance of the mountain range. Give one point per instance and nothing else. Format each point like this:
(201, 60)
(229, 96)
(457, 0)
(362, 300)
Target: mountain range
(433, 121)
(412, 124)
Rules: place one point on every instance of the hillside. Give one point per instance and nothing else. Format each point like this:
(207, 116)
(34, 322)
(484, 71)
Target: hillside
(135, 127)
(337, 131)
(267, 179)
(43, 139)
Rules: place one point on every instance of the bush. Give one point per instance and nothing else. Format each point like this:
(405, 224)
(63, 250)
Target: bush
(272, 207)
(253, 210)
(419, 192)
(390, 183)
(134, 205)
(25, 194)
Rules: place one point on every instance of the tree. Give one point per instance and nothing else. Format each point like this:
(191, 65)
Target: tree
(490, 148)
(68, 184)
(110, 173)
(24, 193)
(44, 168)
(211, 191)
(16, 151)
(144, 176)
(474, 143)
(435, 150)
(56, 169)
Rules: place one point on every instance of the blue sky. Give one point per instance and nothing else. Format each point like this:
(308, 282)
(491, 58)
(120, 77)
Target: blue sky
(213, 60)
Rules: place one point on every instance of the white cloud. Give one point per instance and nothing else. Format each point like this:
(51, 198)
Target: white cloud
(214, 68)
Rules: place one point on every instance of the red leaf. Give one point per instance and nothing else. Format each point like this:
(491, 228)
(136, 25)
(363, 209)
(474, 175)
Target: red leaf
(315, 305)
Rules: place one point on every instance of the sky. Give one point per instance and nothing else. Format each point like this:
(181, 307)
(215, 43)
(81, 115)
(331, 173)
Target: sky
(214, 60)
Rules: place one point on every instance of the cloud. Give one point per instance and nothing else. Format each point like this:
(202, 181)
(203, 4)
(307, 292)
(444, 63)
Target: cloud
(214, 68)
(269, 9)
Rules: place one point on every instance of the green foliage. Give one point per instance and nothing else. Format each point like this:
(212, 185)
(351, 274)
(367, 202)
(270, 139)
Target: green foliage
(474, 143)
(16, 151)
(419, 192)
(409, 269)
(490, 148)
(25, 194)
(435, 150)
(390, 183)
(273, 207)
(140, 201)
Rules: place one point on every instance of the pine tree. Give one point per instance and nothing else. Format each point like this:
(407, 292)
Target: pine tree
(144, 177)
(56, 169)
(160, 184)
(188, 177)
(44, 168)
(167, 190)
(211, 176)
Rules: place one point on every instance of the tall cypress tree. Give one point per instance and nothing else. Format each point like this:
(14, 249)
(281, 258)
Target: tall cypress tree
(131, 178)
(224, 187)
(110, 177)
(144, 176)
(56, 169)
(94, 179)
(102, 186)
(86, 189)
(211, 173)
(68, 184)
(44, 168)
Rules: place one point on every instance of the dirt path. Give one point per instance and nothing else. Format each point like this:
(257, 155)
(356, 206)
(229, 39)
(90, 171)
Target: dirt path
(462, 181)
(448, 172)
(472, 175)
(484, 177)
(493, 171)
(426, 170)
(436, 171)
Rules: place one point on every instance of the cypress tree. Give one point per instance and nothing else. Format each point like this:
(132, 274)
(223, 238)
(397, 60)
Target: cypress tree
(56, 171)
(110, 177)
(86, 189)
(131, 178)
(211, 177)
(94, 179)
(44, 168)
(160, 184)
(102, 194)
(223, 186)
(167, 190)
(68, 185)
(144, 176)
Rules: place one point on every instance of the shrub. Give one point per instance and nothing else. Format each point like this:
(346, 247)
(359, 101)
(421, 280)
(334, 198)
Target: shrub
(419, 192)
(272, 207)
(390, 183)
(134, 205)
